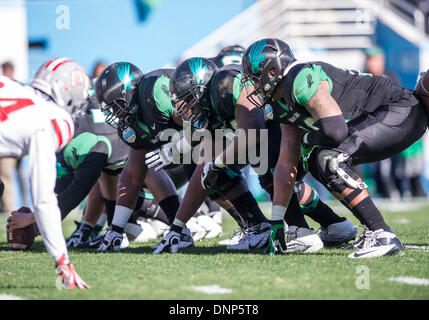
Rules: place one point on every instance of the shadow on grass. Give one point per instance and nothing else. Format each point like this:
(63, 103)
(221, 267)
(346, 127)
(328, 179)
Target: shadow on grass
(38, 247)
(14, 286)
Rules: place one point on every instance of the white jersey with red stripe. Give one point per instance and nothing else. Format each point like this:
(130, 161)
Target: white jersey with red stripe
(31, 124)
(24, 111)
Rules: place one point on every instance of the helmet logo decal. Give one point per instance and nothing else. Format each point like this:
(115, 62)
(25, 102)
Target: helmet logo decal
(196, 66)
(124, 75)
(255, 56)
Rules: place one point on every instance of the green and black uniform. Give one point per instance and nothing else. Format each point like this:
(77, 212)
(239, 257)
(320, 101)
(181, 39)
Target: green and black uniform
(382, 120)
(374, 107)
(95, 147)
(225, 91)
(155, 114)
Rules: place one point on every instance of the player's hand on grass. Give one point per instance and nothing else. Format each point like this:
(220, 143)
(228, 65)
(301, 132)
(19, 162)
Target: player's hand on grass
(170, 243)
(209, 175)
(79, 236)
(112, 240)
(277, 242)
(69, 278)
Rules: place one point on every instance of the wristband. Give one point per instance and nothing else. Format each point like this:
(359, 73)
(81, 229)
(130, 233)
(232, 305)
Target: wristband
(278, 212)
(121, 215)
(178, 223)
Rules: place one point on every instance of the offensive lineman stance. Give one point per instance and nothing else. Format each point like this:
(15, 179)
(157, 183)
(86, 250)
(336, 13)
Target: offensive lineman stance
(313, 102)
(202, 92)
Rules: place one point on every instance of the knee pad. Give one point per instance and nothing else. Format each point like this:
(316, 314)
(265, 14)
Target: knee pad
(334, 169)
(146, 206)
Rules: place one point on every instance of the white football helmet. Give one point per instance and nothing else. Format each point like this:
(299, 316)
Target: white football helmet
(65, 81)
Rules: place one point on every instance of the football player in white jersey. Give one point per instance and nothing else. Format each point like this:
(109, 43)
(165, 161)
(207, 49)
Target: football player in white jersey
(35, 120)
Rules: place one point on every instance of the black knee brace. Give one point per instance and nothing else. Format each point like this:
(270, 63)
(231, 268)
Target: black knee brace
(332, 168)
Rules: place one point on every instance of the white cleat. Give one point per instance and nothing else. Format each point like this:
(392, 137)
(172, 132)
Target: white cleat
(379, 243)
(198, 232)
(158, 226)
(132, 230)
(186, 239)
(216, 216)
(256, 238)
(125, 242)
(360, 241)
(213, 229)
(147, 234)
(338, 233)
(236, 237)
(302, 240)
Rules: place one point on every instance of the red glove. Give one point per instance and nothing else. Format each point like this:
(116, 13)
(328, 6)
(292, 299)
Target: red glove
(68, 275)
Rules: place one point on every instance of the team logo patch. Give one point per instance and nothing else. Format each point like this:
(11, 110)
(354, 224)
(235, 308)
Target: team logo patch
(129, 135)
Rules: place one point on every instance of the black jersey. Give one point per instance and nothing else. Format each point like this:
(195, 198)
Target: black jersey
(93, 134)
(225, 89)
(155, 112)
(94, 148)
(356, 93)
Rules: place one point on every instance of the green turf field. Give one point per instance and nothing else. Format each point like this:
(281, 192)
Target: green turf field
(135, 273)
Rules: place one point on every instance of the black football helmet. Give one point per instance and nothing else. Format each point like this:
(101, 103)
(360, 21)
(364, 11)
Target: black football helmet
(189, 84)
(231, 55)
(265, 62)
(116, 92)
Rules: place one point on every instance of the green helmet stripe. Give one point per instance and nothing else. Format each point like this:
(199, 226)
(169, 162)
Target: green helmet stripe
(255, 56)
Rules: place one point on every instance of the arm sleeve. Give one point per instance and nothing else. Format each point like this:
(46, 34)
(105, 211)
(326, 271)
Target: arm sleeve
(84, 178)
(333, 131)
(307, 82)
(42, 182)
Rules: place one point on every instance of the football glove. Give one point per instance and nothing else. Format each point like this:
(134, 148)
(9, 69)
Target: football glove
(68, 277)
(170, 243)
(112, 240)
(209, 175)
(80, 236)
(277, 242)
(162, 157)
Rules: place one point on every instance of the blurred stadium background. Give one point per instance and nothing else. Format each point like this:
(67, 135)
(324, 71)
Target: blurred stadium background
(158, 33)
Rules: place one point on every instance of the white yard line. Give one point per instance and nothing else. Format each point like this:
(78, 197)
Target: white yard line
(4, 296)
(417, 248)
(411, 281)
(214, 289)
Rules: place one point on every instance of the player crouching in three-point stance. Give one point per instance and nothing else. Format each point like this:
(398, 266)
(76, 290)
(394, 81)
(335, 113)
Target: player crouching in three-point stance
(348, 118)
(36, 121)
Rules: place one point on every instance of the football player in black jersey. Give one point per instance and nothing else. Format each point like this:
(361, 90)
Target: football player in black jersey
(346, 118)
(140, 107)
(201, 92)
